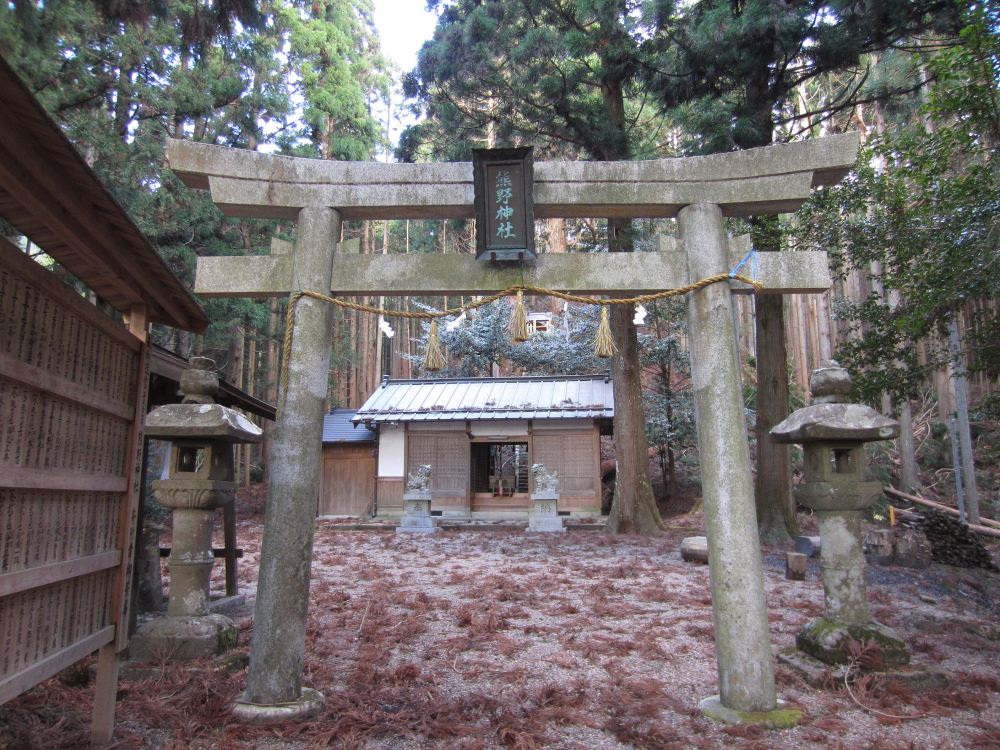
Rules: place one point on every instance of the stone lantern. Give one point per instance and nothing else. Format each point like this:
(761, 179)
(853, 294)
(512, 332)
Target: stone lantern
(200, 480)
(832, 434)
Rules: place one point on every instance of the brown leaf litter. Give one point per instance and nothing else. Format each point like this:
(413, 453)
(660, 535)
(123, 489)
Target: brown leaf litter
(498, 639)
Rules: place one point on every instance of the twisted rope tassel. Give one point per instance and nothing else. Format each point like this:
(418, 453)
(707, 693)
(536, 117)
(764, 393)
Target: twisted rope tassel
(519, 321)
(604, 342)
(433, 357)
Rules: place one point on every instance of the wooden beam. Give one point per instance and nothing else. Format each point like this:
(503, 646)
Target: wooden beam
(137, 321)
(24, 171)
(18, 682)
(128, 512)
(43, 575)
(59, 387)
(19, 477)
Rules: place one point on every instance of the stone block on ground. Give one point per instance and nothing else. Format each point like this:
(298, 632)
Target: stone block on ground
(416, 524)
(905, 547)
(417, 516)
(824, 676)
(838, 643)
(182, 638)
(544, 516)
(878, 546)
(795, 566)
(695, 549)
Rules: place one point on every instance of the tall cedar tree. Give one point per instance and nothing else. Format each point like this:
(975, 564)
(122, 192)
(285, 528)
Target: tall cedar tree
(725, 69)
(119, 76)
(558, 74)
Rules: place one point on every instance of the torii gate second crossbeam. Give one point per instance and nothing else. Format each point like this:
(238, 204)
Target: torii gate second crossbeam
(698, 191)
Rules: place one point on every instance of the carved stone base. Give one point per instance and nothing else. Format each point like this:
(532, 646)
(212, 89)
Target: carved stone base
(544, 514)
(310, 702)
(417, 516)
(545, 523)
(416, 524)
(783, 716)
(183, 638)
(823, 676)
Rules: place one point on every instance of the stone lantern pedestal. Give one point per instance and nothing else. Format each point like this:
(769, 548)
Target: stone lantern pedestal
(832, 434)
(543, 515)
(416, 514)
(200, 481)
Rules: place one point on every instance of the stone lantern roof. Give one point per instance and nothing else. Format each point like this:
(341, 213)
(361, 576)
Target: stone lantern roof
(201, 421)
(829, 418)
(197, 416)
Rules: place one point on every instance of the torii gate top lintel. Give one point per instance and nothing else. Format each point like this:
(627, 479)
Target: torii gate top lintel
(769, 180)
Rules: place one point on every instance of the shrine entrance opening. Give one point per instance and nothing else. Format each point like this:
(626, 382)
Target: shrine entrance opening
(700, 192)
(499, 470)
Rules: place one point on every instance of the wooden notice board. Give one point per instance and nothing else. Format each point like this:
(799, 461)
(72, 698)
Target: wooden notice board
(73, 387)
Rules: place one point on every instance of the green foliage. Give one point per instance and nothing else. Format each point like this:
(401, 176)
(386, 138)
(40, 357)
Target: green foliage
(333, 47)
(923, 206)
(121, 77)
(559, 75)
(726, 70)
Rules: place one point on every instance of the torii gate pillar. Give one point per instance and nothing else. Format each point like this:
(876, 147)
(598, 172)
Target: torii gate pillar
(743, 649)
(274, 685)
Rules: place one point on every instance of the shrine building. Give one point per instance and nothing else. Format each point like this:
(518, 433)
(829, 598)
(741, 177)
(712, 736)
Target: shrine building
(481, 437)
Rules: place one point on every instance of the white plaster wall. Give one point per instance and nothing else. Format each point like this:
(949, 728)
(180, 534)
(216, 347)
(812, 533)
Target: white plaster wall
(391, 451)
(508, 427)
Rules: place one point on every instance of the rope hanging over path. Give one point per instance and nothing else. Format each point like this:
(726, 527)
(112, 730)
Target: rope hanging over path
(604, 344)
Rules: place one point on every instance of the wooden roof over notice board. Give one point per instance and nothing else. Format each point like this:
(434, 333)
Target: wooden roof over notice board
(49, 194)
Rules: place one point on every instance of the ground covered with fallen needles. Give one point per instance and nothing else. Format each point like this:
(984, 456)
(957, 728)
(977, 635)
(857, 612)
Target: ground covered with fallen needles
(501, 639)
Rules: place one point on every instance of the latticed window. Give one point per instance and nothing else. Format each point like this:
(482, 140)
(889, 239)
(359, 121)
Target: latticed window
(448, 455)
(571, 454)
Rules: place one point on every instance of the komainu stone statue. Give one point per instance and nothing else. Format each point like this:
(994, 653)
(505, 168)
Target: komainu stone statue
(419, 480)
(546, 480)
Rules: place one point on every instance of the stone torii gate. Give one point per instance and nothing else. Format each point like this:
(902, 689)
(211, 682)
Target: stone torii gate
(698, 191)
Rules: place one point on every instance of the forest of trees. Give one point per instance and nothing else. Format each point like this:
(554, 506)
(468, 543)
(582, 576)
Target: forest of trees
(912, 233)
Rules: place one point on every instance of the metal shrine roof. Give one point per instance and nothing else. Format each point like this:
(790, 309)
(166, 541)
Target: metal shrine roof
(542, 397)
(338, 428)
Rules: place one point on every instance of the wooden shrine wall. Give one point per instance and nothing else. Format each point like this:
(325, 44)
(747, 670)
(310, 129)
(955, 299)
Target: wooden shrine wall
(72, 396)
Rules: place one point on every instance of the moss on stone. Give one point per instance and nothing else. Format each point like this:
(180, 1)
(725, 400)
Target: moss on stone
(782, 717)
(831, 642)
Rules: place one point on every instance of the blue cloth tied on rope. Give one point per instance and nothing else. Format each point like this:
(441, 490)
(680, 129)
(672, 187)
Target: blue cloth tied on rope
(750, 256)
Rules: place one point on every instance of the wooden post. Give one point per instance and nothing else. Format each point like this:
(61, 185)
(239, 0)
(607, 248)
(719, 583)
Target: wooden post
(102, 726)
(106, 688)
(229, 535)
(795, 566)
